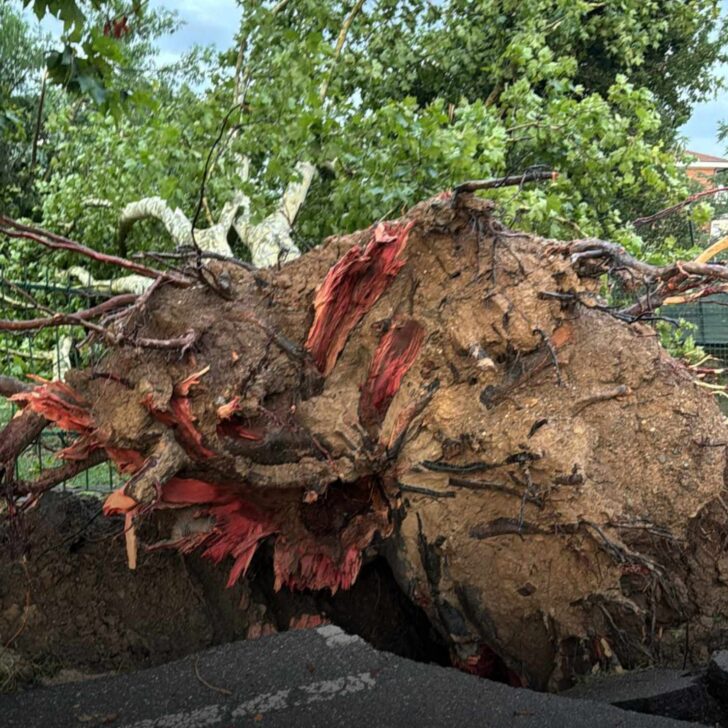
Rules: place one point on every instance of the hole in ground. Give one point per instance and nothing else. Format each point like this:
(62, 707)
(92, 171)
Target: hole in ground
(375, 609)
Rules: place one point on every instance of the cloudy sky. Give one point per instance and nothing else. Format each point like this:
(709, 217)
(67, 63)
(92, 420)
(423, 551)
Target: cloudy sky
(213, 22)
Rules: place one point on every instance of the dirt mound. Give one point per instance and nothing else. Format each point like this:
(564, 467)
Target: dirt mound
(72, 608)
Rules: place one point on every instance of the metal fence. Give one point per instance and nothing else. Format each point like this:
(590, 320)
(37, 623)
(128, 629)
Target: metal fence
(24, 353)
(709, 322)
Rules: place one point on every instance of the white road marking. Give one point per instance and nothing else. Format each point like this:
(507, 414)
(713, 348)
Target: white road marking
(315, 692)
(335, 636)
(198, 718)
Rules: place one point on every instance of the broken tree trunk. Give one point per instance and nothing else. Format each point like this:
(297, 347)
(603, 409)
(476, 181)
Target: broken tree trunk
(545, 481)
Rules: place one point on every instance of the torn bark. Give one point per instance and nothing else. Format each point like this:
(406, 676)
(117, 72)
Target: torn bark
(529, 464)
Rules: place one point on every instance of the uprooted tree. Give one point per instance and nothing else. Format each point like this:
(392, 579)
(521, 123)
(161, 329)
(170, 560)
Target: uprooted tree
(546, 482)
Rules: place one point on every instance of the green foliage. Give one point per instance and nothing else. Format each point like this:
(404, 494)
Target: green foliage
(421, 97)
(102, 41)
(21, 57)
(680, 341)
(424, 96)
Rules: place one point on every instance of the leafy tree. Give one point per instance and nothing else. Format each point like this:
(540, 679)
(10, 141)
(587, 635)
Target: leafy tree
(394, 101)
(21, 54)
(425, 95)
(102, 44)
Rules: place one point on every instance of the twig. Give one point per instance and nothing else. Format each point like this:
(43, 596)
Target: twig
(426, 491)
(676, 208)
(26, 295)
(510, 181)
(63, 319)
(222, 691)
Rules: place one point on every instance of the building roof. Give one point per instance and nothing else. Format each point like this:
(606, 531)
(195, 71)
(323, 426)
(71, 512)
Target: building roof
(705, 160)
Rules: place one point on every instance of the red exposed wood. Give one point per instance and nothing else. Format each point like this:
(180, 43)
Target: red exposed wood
(240, 527)
(52, 401)
(81, 448)
(190, 437)
(191, 491)
(234, 429)
(351, 287)
(308, 566)
(394, 356)
(230, 427)
(227, 410)
(179, 416)
(60, 404)
(127, 461)
(118, 503)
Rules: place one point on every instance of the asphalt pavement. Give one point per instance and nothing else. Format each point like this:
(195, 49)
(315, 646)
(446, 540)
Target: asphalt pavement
(319, 678)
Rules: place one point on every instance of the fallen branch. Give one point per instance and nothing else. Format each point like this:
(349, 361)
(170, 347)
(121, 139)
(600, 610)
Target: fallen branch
(676, 208)
(10, 386)
(52, 477)
(14, 229)
(515, 180)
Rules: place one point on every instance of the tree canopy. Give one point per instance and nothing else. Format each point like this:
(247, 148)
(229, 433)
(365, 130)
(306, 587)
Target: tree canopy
(391, 101)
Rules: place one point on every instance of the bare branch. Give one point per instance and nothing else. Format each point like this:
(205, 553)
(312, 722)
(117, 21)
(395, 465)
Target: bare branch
(515, 180)
(72, 319)
(14, 229)
(339, 46)
(676, 208)
(10, 386)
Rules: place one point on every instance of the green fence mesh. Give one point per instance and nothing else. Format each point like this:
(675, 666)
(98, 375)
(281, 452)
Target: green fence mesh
(26, 353)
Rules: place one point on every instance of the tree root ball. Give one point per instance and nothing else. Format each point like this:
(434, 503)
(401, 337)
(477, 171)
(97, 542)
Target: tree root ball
(545, 481)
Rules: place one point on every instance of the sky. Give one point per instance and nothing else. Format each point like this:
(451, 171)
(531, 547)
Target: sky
(214, 22)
